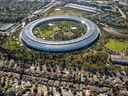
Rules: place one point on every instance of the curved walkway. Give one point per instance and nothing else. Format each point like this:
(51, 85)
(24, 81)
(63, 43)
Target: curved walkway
(32, 42)
(115, 32)
(83, 7)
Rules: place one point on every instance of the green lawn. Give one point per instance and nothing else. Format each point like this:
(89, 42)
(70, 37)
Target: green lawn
(117, 45)
(13, 43)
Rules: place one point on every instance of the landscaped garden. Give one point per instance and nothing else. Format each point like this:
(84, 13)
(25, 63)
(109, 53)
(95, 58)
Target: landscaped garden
(59, 31)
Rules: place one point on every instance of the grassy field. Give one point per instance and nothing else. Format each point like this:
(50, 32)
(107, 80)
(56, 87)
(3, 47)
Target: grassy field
(117, 45)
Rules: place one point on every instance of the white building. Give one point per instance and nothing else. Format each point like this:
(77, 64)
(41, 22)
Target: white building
(123, 2)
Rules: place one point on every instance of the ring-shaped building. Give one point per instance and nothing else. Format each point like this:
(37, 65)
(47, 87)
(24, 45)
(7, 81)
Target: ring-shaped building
(32, 42)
